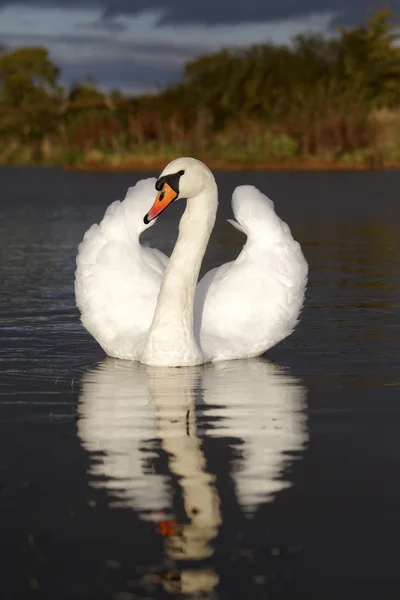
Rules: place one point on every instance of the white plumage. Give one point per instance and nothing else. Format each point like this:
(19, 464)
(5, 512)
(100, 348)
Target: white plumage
(238, 310)
(117, 278)
(245, 307)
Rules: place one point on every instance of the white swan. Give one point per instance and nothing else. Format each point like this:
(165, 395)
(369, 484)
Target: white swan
(238, 310)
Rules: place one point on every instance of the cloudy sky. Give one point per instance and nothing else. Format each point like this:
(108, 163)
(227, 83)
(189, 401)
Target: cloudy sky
(141, 45)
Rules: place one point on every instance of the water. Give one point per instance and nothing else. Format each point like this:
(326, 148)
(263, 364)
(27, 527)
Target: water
(269, 478)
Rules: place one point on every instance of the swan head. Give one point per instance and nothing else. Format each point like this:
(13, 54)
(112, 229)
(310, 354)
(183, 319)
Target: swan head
(182, 178)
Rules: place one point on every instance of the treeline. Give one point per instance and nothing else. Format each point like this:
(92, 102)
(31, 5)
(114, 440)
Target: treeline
(318, 98)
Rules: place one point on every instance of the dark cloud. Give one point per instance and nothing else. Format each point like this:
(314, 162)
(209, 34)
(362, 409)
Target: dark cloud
(219, 11)
(148, 66)
(127, 65)
(102, 25)
(234, 11)
(132, 76)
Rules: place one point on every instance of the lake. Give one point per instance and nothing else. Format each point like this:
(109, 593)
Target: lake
(276, 477)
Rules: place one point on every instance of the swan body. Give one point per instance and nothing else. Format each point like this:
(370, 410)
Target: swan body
(141, 306)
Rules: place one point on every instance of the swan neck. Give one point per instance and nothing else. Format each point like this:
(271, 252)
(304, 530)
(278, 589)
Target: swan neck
(171, 332)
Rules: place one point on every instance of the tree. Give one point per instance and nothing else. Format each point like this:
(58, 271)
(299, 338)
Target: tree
(27, 75)
(30, 97)
(370, 58)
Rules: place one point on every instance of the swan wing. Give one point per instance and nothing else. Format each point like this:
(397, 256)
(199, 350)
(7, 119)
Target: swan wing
(117, 279)
(247, 306)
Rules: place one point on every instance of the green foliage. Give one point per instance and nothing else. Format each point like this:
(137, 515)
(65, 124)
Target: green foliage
(370, 58)
(283, 146)
(27, 76)
(317, 96)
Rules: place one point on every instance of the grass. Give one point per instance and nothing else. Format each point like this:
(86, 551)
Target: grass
(233, 148)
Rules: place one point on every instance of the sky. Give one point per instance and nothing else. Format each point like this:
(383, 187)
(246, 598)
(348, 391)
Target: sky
(142, 45)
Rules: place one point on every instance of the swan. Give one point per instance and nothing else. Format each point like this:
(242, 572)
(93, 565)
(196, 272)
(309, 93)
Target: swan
(141, 306)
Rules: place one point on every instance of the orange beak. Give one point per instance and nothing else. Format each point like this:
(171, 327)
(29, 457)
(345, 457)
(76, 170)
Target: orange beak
(164, 198)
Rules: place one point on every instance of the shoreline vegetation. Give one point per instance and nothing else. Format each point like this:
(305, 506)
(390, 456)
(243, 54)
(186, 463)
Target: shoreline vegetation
(318, 103)
(130, 165)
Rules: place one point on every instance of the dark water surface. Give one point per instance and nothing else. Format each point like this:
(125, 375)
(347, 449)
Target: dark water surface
(269, 478)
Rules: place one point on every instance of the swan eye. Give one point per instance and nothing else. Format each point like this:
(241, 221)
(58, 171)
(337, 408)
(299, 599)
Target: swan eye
(181, 173)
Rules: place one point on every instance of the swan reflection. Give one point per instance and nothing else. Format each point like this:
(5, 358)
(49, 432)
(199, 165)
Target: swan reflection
(262, 406)
(131, 415)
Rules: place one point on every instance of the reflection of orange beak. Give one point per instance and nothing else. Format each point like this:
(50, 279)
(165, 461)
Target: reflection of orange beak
(164, 199)
(168, 527)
